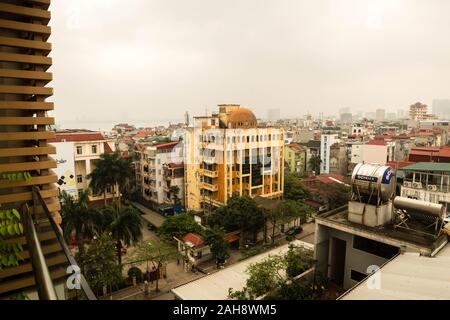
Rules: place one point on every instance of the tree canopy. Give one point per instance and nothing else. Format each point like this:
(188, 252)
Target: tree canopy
(179, 225)
(78, 217)
(215, 238)
(241, 213)
(294, 189)
(124, 224)
(273, 273)
(99, 263)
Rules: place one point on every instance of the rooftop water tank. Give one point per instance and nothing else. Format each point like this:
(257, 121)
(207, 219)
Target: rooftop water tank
(373, 180)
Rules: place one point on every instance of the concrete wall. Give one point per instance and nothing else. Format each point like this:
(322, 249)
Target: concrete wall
(355, 259)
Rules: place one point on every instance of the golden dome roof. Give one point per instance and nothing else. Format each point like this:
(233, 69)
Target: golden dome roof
(242, 117)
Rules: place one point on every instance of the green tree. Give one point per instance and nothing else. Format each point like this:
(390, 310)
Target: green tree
(77, 217)
(124, 224)
(241, 213)
(215, 238)
(286, 210)
(294, 189)
(99, 263)
(314, 163)
(174, 192)
(272, 274)
(298, 260)
(179, 225)
(263, 277)
(338, 194)
(157, 252)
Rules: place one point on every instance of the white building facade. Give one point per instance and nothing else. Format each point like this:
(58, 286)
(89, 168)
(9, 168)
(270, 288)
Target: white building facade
(326, 141)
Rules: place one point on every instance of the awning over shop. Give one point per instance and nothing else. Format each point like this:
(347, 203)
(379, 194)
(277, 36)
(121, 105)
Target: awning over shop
(232, 238)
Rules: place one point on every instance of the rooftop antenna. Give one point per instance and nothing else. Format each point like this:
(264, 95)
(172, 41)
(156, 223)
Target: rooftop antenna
(186, 118)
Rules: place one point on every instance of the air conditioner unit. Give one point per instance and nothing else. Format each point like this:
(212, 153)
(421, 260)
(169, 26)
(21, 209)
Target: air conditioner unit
(432, 187)
(407, 184)
(417, 185)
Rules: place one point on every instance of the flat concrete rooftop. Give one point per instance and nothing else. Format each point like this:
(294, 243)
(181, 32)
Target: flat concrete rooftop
(407, 277)
(425, 245)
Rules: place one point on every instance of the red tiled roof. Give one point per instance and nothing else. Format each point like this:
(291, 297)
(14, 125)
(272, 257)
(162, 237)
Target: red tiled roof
(195, 239)
(326, 178)
(430, 152)
(167, 145)
(77, 137)
(175, 165)
(399, 164)
(376, 143)
(107, 147)
(232, 238)
(391, 136)
(143, 134)
(296, 147)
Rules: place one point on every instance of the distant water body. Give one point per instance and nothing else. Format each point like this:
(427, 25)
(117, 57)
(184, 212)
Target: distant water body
(106, 126)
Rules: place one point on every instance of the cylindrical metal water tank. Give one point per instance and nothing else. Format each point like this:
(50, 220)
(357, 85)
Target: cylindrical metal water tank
(374, 179)
(420, 206)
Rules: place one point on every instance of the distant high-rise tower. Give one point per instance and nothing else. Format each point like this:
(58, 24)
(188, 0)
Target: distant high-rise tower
(441, 108)
(273, 115)
(418, 111)
(380, 114)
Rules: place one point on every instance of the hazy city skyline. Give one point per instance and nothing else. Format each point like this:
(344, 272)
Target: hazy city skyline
(156, 59)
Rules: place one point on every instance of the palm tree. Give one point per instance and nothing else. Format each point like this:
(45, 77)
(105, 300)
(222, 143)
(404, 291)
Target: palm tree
(124, 223)
(77, 217)
(111, 171)
(314, 163)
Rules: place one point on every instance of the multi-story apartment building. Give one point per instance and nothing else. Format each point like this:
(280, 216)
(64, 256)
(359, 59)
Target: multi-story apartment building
(76, 155)
(159, 168)
(418, 111)
(227, 153)
(295, 157)
(326, 141)
(427, 181)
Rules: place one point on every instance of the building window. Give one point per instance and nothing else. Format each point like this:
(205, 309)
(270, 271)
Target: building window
(94, 148)
(80, 191)
(79, 150)
(357, 276)
(79, 178)
(108, 190)
(374, 247)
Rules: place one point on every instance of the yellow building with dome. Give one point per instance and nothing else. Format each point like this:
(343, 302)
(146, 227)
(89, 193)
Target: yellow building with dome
(228, 153)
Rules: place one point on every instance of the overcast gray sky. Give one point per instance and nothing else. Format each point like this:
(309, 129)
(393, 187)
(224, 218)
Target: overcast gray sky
(153, 60)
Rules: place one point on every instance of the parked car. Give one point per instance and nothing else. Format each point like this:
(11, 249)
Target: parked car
(294, 231)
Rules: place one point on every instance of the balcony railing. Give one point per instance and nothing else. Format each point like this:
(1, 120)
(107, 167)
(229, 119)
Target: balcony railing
(210, 173)
(210, 187)
(49, 277)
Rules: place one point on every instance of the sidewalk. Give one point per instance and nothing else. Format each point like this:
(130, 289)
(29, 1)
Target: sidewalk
(176, 276)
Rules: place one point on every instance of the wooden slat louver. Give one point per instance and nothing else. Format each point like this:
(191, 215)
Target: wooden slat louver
(24, 89)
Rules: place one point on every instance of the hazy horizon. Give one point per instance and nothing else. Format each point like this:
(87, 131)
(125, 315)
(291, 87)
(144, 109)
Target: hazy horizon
(154, 60)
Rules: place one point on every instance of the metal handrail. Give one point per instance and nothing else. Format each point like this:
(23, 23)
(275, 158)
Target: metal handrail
(83, 283)
(45, 287)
